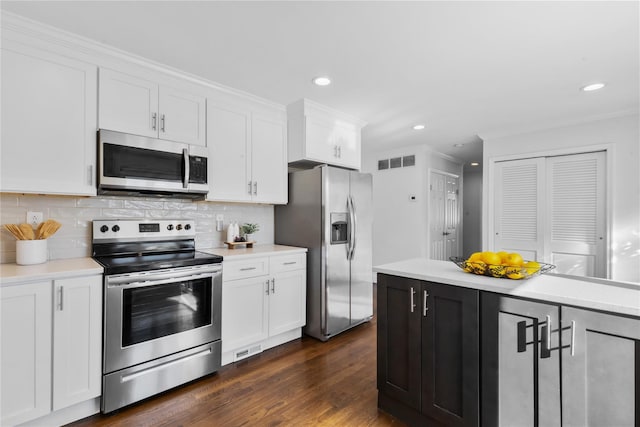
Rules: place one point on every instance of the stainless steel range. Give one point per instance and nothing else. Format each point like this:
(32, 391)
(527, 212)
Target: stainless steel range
(162, 308)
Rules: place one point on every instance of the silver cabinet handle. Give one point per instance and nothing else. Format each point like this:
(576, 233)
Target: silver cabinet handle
(548, 337)
(424, 306)
(247, 268)
(413, 305)
(162, 123)
(154, 120)
(250, 186)
(289, 263)
(90, 174)
(61, 298)
(573, 337)
(267, 291)
(273, 286)
(255, 188)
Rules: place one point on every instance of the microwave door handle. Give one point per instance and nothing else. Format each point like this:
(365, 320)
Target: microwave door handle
(185, 159)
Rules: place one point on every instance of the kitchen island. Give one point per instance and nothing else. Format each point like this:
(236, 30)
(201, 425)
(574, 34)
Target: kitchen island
(525, 351)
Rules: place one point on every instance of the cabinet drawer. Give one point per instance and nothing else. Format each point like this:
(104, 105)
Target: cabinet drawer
(243, 269)
(281, 263)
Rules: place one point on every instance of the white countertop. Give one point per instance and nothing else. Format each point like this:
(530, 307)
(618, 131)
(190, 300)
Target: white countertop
(256, 251)
(597, 294)
(11, 274)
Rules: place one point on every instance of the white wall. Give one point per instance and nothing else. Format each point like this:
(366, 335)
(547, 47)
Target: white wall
(400, 226)
(76, 213)
(623, 135)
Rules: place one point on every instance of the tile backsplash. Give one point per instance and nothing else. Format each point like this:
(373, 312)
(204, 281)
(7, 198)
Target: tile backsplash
(76, 213)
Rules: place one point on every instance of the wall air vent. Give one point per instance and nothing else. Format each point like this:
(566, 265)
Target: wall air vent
(409, 161)
(397, 162)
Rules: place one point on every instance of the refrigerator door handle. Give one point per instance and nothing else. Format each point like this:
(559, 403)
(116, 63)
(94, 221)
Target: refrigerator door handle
(353, 219)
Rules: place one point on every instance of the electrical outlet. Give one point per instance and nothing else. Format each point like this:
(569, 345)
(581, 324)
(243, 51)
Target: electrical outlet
(34, 218)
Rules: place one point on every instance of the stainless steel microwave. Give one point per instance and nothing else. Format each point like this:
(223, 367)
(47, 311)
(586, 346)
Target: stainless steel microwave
(137, 165)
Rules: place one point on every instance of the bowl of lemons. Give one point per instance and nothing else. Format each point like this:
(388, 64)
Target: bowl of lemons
(504, 265)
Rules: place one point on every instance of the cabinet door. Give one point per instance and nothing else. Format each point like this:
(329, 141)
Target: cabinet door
(600, 369)
(25, 355)
(347, 138)
(320, 144)
(268, 160)
(48, 123)
(398, 323)
(228, 145)
(244, 312)
(128, 104)
(77, 343)
(287, 301)
(450, 354)
(182, 116)
(520, 362)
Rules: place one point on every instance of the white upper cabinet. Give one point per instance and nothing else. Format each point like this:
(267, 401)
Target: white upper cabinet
(48, 122)
(247, 151)
(142, 107)
(320, 135)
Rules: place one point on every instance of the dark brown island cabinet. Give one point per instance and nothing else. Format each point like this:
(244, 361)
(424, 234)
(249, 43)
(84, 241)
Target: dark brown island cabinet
(428, 352)
(456, 356)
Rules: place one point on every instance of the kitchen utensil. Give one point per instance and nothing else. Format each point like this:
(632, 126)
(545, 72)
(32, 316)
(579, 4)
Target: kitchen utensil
(49, 227)
(27, 231)
(15, 230)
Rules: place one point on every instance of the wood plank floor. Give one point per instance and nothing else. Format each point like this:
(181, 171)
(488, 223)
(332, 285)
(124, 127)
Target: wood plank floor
(302, 383)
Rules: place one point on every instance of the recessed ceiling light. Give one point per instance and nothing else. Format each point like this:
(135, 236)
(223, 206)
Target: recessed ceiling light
(418, 127)
(321, 81)
(593, 86)
(474, 164)
(458, 145)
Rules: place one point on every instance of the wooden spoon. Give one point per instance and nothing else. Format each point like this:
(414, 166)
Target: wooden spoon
(27, 231)
(49, 228)
(15, 230)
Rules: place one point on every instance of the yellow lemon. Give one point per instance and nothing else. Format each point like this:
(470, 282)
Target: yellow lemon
(491, 258)
(476, 256)
(503, 256)
(532, 267)
(513, 259)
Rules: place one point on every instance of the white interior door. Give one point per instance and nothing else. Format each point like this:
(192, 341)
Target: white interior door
(552, 209)
(444, 215)
(576, 214)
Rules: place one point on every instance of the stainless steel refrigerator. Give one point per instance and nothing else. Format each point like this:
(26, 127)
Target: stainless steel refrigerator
(330, 213)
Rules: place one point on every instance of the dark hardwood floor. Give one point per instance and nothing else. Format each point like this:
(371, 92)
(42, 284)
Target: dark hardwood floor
(302, 383)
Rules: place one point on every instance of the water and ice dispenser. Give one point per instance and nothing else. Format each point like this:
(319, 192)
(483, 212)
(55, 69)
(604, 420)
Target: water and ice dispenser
(339, 227)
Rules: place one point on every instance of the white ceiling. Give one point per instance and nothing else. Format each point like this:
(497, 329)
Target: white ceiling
(464, 69)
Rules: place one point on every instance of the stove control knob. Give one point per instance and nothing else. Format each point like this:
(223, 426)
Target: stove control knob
(170, 227)
(187, 226)
(179, 227)
(115, 228)
(104, 228)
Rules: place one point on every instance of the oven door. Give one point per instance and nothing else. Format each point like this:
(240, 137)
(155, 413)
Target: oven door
(153, 314)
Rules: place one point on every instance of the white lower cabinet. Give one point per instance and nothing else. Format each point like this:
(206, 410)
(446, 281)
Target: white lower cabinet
(263, 303)
(51, 346)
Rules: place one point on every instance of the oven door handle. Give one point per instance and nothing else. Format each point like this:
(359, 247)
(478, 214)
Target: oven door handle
(139, 280)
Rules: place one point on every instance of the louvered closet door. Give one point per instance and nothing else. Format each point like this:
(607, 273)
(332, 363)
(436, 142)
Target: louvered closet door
(519, 216)
(576, 214)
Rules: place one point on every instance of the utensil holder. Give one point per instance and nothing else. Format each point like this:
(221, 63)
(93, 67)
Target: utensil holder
(31, 252)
